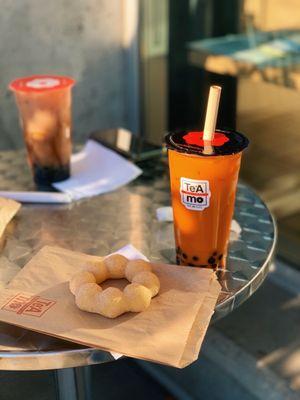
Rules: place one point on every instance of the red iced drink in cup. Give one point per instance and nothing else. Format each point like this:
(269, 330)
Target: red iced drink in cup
(44, 103)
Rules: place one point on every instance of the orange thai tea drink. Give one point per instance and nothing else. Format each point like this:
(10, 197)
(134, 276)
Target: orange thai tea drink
(44, 103)
(203, 184)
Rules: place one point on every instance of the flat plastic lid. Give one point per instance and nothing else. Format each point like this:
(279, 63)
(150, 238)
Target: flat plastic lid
(41, 83)
(225, 142)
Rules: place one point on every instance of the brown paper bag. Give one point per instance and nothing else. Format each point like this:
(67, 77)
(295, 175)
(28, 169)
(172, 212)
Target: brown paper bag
(170, 331)
(8, 209)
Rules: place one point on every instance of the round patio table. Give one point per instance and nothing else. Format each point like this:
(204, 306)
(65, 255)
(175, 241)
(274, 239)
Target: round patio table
(105, 223)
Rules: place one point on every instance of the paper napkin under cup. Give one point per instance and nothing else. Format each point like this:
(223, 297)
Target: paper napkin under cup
(170, 331)
(94, 170)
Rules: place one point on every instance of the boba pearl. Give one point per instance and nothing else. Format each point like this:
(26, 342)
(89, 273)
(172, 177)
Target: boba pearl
(211, 260)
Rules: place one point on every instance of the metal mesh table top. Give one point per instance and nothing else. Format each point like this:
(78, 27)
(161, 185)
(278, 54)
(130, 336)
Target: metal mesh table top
(102, 224)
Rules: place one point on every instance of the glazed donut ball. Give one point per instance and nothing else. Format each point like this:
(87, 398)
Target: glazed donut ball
(110, 303)
(149, 280)
(98, 269)
(116, 264)
(80, 279)
(86, 297)
(137, 297)
(134, 267)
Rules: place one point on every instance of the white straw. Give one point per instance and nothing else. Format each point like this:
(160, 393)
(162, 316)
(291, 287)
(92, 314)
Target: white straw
(211, 112)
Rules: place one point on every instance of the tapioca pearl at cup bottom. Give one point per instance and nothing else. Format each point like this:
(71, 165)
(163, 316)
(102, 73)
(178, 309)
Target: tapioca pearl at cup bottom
(195, 258)
(214, 253)
(220, 257)
(211, 260)
(184, 256)
(183, 261)
(179, 250)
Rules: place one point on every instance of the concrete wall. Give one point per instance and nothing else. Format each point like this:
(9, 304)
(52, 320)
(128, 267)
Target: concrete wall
(81, 38)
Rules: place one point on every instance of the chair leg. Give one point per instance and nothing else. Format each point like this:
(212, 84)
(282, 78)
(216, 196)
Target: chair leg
(73, 383)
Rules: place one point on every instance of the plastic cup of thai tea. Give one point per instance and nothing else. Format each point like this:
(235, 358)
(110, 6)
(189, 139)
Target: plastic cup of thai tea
(44, 104)
(203, 185)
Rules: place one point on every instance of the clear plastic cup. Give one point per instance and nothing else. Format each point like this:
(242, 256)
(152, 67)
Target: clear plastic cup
(44, 104)
(203, 190)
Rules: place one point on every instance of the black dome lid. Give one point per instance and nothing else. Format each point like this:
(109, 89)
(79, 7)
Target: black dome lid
(236, 143)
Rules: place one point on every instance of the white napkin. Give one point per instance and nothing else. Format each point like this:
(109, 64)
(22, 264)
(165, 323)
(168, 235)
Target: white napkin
(164, 214)
(37, 197)
(95, 170)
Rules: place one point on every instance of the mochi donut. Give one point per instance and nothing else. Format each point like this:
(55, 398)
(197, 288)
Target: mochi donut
(149, 280)
(80, 279)
(112, 302)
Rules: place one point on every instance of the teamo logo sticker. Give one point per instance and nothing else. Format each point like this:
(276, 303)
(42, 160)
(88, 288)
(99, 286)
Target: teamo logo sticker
(195, 195)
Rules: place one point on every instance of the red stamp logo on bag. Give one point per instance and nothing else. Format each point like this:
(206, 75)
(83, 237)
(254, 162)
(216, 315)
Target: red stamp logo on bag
(23, 304)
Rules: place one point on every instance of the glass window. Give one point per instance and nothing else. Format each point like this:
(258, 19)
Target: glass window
(252, 49)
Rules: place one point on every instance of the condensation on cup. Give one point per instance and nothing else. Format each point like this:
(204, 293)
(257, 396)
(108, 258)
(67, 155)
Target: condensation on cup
(44, 103)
